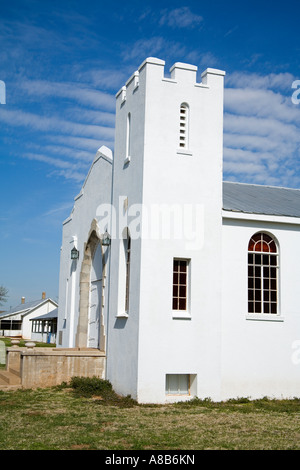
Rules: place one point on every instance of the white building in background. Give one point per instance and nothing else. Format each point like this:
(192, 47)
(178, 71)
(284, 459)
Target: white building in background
(197, 293)
(21, 321)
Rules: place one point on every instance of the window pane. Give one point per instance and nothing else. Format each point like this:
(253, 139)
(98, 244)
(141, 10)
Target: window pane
(273, 296)
(266, 307)
(258, 246)
(273, 308)
(182, 291)
(266, 296)
(266, 260)
(257, 283)
(183, 266)
(257, 307)
(273, 273)
(266, 272)
(257, 259)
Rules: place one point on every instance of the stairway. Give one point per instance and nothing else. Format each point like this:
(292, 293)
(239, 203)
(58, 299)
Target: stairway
(9, 379)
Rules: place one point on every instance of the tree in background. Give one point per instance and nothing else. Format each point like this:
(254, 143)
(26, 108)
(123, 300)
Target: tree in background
(3, 295)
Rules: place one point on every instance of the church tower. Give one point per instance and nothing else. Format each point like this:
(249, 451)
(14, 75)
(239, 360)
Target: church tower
(165, 277)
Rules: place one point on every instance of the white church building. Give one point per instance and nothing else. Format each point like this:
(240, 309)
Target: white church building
(190, 285)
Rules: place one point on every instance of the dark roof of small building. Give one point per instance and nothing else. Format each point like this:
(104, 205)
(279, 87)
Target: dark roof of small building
(256, 199)
(47, 316)
(25, 308)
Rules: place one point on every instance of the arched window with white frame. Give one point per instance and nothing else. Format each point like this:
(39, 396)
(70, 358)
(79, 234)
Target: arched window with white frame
(263, 274)
(184, 126)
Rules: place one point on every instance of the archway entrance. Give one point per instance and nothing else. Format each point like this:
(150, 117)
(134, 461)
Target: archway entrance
(94, 321)
(90, 328)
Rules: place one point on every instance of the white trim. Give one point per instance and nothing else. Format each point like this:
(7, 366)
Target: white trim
(264, 317)
(226, 214)
(184, 151)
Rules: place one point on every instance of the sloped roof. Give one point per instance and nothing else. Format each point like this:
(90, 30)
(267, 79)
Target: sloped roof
(47, 316)
(256, 199)
(26, 307)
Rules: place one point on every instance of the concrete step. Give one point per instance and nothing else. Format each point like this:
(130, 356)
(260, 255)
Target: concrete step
(9, 378)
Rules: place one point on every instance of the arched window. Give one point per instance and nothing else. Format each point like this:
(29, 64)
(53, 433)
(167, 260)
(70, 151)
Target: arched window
(262, 274)
(184, 126)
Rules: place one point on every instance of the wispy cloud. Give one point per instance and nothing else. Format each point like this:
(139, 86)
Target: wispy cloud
(74, 91)
(261, 130)
(151, 47)
(67, 169)
(181, 17)
(53, 123)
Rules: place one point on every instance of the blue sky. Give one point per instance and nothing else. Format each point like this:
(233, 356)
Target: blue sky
(62, 63)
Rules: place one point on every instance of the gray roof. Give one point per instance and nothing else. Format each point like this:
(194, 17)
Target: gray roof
(47, 316)
(256, 199)
(24, 308)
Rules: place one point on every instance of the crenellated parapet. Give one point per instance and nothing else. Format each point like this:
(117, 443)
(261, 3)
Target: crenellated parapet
(179, 73)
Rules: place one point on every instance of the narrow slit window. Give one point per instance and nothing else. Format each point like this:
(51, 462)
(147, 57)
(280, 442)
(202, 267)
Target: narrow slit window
(183, 126)
(127, 254)
(128, 136)
(262, 274)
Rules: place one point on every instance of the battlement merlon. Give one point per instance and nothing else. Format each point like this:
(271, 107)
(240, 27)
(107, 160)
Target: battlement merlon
(180, 72)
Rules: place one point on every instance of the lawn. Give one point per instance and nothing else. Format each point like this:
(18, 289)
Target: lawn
(67, 418)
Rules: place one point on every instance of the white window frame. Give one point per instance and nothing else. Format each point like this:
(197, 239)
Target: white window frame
(259, 268)
(182, 313)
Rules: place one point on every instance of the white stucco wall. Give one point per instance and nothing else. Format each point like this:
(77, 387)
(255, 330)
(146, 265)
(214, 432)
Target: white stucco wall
(95, 192)
(151, 343)
(259, 352)
(226, 353)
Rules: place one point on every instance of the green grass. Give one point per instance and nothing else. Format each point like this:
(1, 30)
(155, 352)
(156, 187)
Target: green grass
(87, 414)
(7, 342)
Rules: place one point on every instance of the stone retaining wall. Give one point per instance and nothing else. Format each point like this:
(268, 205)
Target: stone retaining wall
(47, 367)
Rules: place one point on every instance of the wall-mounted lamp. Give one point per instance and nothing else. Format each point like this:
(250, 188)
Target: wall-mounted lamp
(105, 239)
(74, 253)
